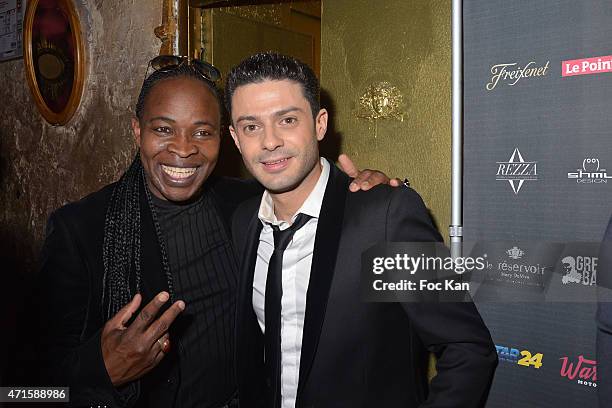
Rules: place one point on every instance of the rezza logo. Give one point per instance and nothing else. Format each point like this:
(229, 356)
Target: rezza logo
(584, 371)
(511, 355)
(580, 269)
(590, 173)
(516, 170)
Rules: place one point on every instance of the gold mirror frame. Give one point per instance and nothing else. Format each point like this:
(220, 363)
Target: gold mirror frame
(78, 79)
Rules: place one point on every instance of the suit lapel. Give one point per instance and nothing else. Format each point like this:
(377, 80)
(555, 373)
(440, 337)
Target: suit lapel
(249, 339)
(248, 255)
(327, 239)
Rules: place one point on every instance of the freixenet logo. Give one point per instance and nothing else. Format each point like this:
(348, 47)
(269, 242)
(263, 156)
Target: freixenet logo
(586, 66)
(511, 73)
(517, 170)
(583, 371)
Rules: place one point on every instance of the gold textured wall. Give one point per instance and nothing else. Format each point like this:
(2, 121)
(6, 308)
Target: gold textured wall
(44, 166)
(227, 35)
(403, 126)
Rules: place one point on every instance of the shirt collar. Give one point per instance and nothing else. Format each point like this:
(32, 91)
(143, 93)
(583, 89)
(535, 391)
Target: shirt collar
(311, 207)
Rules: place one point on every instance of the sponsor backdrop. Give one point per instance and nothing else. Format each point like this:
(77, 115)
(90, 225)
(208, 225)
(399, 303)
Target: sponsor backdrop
(538, 168)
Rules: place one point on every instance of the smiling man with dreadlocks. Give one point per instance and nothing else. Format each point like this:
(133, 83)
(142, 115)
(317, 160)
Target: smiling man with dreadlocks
(138, 280)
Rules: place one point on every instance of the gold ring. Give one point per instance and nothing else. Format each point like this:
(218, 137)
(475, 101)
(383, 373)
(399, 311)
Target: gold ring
(165, 345)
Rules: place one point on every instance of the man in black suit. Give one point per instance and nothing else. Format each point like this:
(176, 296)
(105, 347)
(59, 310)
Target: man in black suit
(113, 261)
(304, 337)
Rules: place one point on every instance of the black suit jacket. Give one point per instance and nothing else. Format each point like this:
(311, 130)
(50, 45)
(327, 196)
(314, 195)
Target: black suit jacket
(357, 354)
(70, 283)
(604, 321)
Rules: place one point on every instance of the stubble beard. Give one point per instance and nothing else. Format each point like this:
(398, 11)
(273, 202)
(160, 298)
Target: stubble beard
(282, 182)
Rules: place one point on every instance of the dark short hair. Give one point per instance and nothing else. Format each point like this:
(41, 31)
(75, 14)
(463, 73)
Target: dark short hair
(276, 67)
(184, 71)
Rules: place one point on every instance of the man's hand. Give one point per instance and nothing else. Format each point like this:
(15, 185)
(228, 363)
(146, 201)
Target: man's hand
(365, 179)
(130, 352)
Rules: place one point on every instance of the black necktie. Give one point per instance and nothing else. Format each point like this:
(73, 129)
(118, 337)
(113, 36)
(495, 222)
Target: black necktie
(272, 307)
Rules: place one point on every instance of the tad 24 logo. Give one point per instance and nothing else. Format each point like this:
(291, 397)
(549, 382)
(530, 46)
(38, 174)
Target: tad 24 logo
(513, 355)
(583, 371)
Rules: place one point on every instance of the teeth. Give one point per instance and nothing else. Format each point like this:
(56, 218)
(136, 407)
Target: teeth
(275, 162)
(179, 172)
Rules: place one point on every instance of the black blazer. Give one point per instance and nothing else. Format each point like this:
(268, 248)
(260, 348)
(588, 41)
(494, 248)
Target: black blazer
(357, 354)
(604, 320)
(70, 284)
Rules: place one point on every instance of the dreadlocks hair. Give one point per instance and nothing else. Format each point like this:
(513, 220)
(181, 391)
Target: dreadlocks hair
(121, 249)
(276, 67)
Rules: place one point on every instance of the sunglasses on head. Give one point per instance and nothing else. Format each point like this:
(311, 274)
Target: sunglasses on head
(167, 63)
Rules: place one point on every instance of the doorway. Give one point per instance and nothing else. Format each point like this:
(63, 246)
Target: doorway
(225, 32)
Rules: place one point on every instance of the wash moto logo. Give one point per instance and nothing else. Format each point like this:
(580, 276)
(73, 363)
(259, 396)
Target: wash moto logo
(523, 357)
(511, 73)
(517, 170)
(580, 269)
(590, 173)
(583, 371)
(515, 253)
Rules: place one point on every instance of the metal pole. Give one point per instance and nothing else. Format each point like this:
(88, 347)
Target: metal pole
(456, 227)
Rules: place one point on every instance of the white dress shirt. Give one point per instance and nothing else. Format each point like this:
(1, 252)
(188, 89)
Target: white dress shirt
(297, 260)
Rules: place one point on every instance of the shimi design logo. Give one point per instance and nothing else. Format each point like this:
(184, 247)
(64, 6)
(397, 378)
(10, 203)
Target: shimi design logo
(590, 173)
